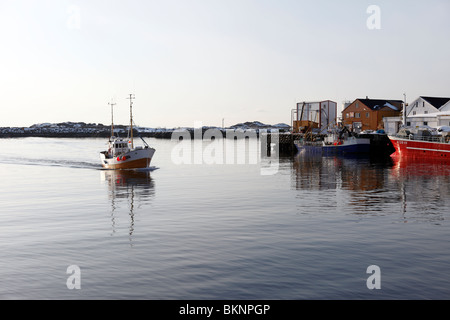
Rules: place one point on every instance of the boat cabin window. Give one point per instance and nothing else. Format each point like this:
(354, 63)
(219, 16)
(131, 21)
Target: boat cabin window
(120, 145)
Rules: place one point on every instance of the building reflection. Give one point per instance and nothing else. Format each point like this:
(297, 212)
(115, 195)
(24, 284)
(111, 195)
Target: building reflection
(131, 189)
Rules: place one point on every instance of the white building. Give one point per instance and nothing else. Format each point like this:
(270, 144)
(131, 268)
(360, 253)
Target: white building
(424, 111)
(319, 114)
(428, 111)
(434, 120)
(427, 105)
(446, 107)
(392, 124)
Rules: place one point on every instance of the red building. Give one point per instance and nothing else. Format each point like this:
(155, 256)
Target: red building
(368, 114)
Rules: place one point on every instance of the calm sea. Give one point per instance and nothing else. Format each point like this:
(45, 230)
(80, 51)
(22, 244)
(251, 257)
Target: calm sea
(309, 229)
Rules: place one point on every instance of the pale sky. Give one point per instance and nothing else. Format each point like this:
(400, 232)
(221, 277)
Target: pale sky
(207, 60)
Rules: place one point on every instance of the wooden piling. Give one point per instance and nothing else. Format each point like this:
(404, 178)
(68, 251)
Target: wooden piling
(286, 145)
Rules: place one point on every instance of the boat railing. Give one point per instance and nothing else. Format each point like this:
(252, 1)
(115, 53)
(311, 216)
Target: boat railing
(310, 143)
(433, 138)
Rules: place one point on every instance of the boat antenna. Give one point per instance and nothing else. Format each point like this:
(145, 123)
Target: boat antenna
(112, 104)
(131, 97)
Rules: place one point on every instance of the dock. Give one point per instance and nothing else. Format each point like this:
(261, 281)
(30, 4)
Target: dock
(286, 142)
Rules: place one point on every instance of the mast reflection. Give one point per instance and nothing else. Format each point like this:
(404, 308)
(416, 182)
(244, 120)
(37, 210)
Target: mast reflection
(135, 188)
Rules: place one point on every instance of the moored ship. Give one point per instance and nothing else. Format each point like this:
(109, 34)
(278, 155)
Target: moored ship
(338, 142)
(422, 143)
(122, 154)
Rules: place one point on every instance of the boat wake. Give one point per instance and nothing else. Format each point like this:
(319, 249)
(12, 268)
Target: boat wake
(66, 164)
(149, 169)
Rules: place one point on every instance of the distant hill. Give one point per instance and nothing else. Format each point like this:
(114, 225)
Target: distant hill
(259, 125)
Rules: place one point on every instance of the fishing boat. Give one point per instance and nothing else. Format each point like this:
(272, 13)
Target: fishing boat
(342, 142)
(422, 143)
(121, 153)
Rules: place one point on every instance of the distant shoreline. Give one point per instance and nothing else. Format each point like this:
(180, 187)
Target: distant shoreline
(92, 130)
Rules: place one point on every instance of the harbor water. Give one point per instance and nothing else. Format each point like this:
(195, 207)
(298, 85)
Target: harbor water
(309, 228)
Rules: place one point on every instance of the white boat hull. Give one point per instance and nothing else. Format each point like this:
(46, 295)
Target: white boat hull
(134, 159)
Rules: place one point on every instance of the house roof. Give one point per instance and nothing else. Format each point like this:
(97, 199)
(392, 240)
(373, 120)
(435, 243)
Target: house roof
(377, 104)
(436, 102)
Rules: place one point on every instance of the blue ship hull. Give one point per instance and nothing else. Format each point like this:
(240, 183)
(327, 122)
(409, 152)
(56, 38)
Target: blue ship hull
(354, 146)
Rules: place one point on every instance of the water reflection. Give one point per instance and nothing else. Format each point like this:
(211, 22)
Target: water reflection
(410, 168)
(132, 188)
(416, 190)
(424, 185)
(339, 172)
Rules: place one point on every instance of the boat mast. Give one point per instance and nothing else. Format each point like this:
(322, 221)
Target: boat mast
(404, 110)
(131, 119)
(112, 117)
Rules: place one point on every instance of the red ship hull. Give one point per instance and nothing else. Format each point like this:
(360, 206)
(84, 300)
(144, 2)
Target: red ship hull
(421, 149)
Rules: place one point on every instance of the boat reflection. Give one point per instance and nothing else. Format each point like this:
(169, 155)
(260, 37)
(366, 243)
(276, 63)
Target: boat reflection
(417, 190)
(352, 184)
(409, 167)
(131, 189)
(424, 185)
(339, 172)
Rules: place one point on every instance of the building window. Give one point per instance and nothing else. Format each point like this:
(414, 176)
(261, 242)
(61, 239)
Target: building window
(426, 112)
(408, 124)
(425, 123)
(423, 104)
(357, 125)
(414, 113)
(367, 115)
(357, 105)
(357, 115)
(347, 115)
(352, 114)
